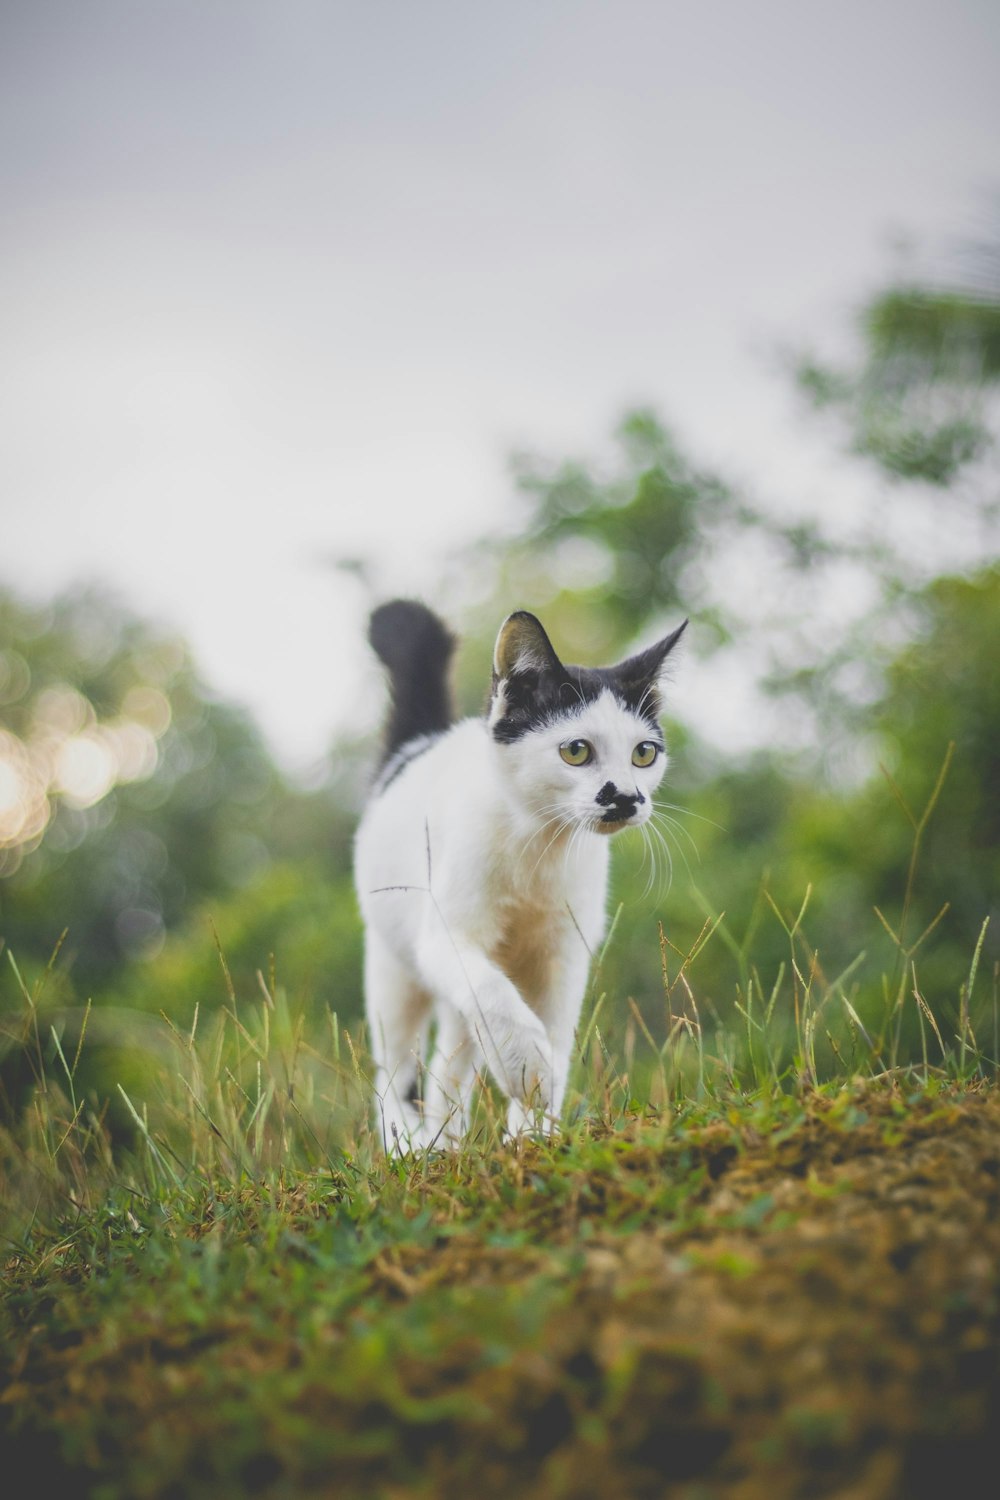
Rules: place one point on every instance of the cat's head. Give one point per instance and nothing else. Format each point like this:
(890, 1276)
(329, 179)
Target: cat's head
(581, 745)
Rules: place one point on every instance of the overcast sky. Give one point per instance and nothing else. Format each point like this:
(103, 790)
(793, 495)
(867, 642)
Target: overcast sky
(285, 281)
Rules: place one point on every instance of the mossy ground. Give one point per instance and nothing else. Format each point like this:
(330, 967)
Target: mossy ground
(781, 1296)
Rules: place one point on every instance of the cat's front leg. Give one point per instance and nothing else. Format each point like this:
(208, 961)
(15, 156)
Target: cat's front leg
(514, 1042)
(538, 1115)
(560, 1006)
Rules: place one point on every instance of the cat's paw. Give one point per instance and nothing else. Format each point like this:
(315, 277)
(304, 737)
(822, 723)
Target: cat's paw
(400, 1131)
(523, 1063)
(525, 1119)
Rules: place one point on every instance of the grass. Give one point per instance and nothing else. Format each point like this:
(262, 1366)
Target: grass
(760, 1259)
(757, 1260)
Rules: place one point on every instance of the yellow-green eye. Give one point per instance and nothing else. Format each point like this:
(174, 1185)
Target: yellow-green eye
(576, 752)
(645, 753)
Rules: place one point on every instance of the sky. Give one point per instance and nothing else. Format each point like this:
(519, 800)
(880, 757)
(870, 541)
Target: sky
(287, 283)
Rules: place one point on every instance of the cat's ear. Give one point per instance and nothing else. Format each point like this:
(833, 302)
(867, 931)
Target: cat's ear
(522, 647)
(641, 674)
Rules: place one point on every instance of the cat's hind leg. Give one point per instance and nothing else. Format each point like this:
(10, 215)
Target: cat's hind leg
(398, 1011)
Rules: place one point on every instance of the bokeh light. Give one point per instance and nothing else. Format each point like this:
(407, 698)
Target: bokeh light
(65, 754)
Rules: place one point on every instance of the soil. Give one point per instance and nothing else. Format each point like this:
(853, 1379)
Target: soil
(826, 1322)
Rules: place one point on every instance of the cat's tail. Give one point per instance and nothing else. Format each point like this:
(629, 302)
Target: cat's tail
(416, 648)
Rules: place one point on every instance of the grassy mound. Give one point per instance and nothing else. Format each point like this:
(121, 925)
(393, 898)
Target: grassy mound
(796, 1294)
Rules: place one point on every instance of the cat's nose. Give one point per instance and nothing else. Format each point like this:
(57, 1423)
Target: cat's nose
(621, 804)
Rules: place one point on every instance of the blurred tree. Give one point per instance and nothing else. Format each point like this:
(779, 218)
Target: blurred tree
(128, 792)
(610, 552)
(613, 547)
(294, 916)
(921, 402)
(918, 399)
(942, 689)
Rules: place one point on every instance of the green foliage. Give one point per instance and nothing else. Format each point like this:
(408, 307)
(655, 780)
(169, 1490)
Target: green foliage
(133, 793)
(942, 689)
(895, 867)
(885, 878)
(291, 935)
(612, 548)
(935, 327)
(915, 401)
(295, 911)
(645, 527)
(738, 841)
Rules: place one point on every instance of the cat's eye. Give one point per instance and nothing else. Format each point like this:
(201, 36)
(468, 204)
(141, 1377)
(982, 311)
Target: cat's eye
(645, 753)
(576, 752)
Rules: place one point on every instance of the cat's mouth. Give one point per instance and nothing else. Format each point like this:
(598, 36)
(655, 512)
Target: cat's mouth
(613, 823)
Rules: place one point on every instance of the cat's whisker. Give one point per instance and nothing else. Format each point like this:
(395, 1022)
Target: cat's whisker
(665, 823)
(675, 831)
(544, 812)
(660, 846)
(549, 813)
(646, 855)
(690, 813)
(576, 843)
(575, 688)
(649, 856)
(649, 699)
(667, 833)
(527, 843)
(561, 826)
(662, 814)
(655, 844)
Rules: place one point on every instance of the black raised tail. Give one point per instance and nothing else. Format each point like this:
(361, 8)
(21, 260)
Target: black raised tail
(416, 648)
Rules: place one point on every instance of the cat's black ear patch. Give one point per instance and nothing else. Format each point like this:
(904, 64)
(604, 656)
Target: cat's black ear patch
(527, 678)
(522, 647)
(637, 679)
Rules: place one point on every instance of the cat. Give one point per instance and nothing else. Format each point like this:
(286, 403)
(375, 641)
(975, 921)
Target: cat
(481, 865)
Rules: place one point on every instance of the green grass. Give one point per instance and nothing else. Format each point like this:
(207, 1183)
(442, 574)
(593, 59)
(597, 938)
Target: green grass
(761, 1257)
(735, 1271)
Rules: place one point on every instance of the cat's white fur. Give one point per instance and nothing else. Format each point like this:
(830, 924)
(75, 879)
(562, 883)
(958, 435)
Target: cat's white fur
(481, 872)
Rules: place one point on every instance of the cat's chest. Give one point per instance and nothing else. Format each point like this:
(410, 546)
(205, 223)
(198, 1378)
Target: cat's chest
(536, 916)
(526, 945)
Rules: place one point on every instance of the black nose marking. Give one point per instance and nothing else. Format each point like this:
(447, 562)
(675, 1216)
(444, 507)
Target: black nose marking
(619, 804)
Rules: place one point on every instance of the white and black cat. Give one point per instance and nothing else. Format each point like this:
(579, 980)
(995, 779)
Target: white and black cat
(481, 865)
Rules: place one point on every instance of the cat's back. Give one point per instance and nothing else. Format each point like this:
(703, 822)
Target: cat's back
(457, 760)
(435, 795)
